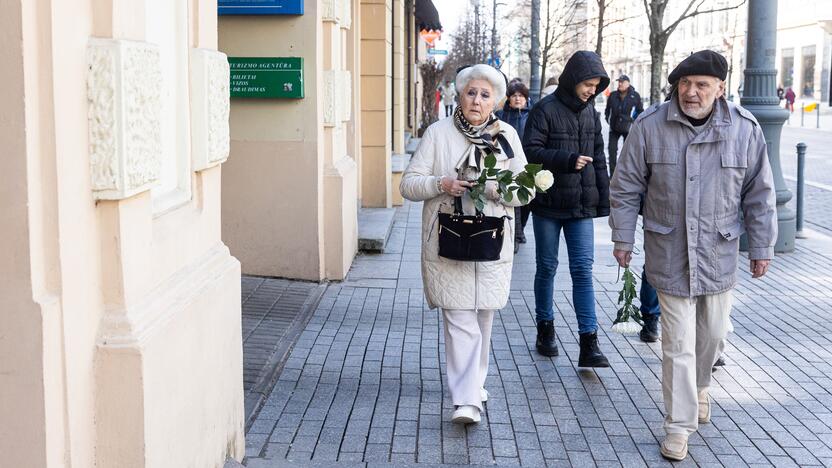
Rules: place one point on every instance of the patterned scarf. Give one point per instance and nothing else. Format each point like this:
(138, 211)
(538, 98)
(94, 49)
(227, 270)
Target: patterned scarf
(485, 139)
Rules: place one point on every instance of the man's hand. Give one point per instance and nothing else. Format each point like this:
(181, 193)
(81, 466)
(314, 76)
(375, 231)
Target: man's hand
(582, 162)
(759, 268)
(623, 257)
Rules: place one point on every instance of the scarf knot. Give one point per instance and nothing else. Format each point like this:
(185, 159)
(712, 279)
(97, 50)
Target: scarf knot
(485, 139)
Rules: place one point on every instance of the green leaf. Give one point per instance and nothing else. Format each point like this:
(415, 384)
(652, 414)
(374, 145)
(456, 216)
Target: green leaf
(479, 203)
(533, 169)
(508, 196)
(523, 195)
(490, 161)
(503, 187)
(492, 172)
(525, 180)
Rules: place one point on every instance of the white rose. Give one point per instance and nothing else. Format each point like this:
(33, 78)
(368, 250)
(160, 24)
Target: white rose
(544, 180)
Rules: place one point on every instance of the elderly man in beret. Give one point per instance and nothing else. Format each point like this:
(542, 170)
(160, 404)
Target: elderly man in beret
(701, 165)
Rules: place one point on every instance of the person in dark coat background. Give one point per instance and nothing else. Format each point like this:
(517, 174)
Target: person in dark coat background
(623, 106)
(563, 133)
(515, 112)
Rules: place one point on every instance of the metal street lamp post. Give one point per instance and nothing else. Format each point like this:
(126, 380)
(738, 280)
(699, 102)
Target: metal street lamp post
(760, 97)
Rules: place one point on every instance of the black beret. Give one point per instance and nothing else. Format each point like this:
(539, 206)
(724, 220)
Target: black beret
(704, 62)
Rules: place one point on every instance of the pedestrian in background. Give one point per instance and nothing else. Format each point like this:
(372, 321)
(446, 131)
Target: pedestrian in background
(449, 155)
(563, 134)
(697, 161)
(790, 96)
(448, 98)
(623, 106)
(551, 86)
(515, 112)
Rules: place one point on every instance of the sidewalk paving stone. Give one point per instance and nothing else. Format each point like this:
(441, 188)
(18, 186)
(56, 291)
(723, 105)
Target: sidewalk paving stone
(365, 384)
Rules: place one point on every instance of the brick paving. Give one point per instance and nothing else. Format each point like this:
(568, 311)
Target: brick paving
(274, 311)
(364, 384)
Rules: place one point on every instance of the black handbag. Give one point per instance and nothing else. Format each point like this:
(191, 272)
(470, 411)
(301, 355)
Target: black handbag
(470, 238)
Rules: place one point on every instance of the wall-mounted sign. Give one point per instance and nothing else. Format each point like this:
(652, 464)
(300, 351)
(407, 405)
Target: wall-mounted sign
(437, 52)
(266, 77)
(260, 7)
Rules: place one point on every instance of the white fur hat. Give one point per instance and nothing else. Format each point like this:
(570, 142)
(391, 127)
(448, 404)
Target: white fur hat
(481, 72)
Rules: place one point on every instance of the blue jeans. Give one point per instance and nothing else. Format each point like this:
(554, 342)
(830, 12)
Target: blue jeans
(580, 244)
(649, 297)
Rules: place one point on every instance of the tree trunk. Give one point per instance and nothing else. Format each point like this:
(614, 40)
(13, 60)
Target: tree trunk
(534, 81)
(602, 5)
(657, 46)
(494, 33)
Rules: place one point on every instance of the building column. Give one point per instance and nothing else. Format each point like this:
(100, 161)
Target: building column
(376, 102)
(340, 170)
(399, 64)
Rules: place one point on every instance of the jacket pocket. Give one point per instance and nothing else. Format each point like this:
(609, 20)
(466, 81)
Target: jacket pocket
(727, 246)
(655, 226)
(666, 183)
(730, 228)
(658, 251)
(662, 156)
(734, 160)
(732, 175)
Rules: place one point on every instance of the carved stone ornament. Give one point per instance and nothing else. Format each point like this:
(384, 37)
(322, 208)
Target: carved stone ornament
(124, 84)
(337, 96)
(330, 90)
(346, 14)
(210, 104)
(331, 10)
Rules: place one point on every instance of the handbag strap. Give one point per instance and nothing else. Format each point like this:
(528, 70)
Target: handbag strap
(458, 206)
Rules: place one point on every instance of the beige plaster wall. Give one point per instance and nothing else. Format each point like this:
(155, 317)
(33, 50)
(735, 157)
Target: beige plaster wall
(22, 340)
(272, 196)
(106, 328)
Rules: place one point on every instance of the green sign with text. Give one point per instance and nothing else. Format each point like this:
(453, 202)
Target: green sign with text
(266, 77)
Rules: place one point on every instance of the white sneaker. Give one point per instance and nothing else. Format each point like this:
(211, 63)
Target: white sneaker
(466, 414)
(483, 395)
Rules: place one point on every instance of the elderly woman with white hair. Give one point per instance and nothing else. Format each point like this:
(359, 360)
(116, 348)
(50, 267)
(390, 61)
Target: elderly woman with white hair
(447, 163)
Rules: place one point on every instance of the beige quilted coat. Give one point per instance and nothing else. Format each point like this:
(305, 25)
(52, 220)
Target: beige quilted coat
(451, 284)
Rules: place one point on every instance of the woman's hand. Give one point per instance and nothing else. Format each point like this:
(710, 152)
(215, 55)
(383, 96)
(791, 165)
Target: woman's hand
(455, 187)
(582, 162)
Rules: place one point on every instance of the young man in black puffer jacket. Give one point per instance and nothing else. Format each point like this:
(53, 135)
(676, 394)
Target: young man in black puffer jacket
(563, 132)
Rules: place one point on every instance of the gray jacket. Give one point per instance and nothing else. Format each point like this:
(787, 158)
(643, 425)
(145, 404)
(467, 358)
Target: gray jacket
(694, 187)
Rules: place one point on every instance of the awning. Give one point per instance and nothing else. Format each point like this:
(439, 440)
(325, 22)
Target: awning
(427, 18)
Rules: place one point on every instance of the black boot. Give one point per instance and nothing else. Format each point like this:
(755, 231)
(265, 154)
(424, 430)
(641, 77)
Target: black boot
(650, 329)
(591, 355)
(546, 344)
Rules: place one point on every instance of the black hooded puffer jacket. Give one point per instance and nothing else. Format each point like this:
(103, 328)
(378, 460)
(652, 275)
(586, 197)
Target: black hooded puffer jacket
(559, 129)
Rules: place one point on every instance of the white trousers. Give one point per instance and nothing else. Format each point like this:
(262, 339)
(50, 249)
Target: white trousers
(693, 337)
(467, 346)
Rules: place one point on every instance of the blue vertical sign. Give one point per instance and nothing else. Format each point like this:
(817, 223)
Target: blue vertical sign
(260, 7)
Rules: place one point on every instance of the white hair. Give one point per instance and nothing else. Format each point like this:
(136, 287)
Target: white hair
(481, 72)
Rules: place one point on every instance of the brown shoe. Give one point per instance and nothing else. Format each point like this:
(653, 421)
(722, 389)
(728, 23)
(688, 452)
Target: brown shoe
(675, 447)
(704, 407)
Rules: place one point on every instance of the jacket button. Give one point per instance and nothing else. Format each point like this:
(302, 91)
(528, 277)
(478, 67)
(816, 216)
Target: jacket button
(692, 179)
